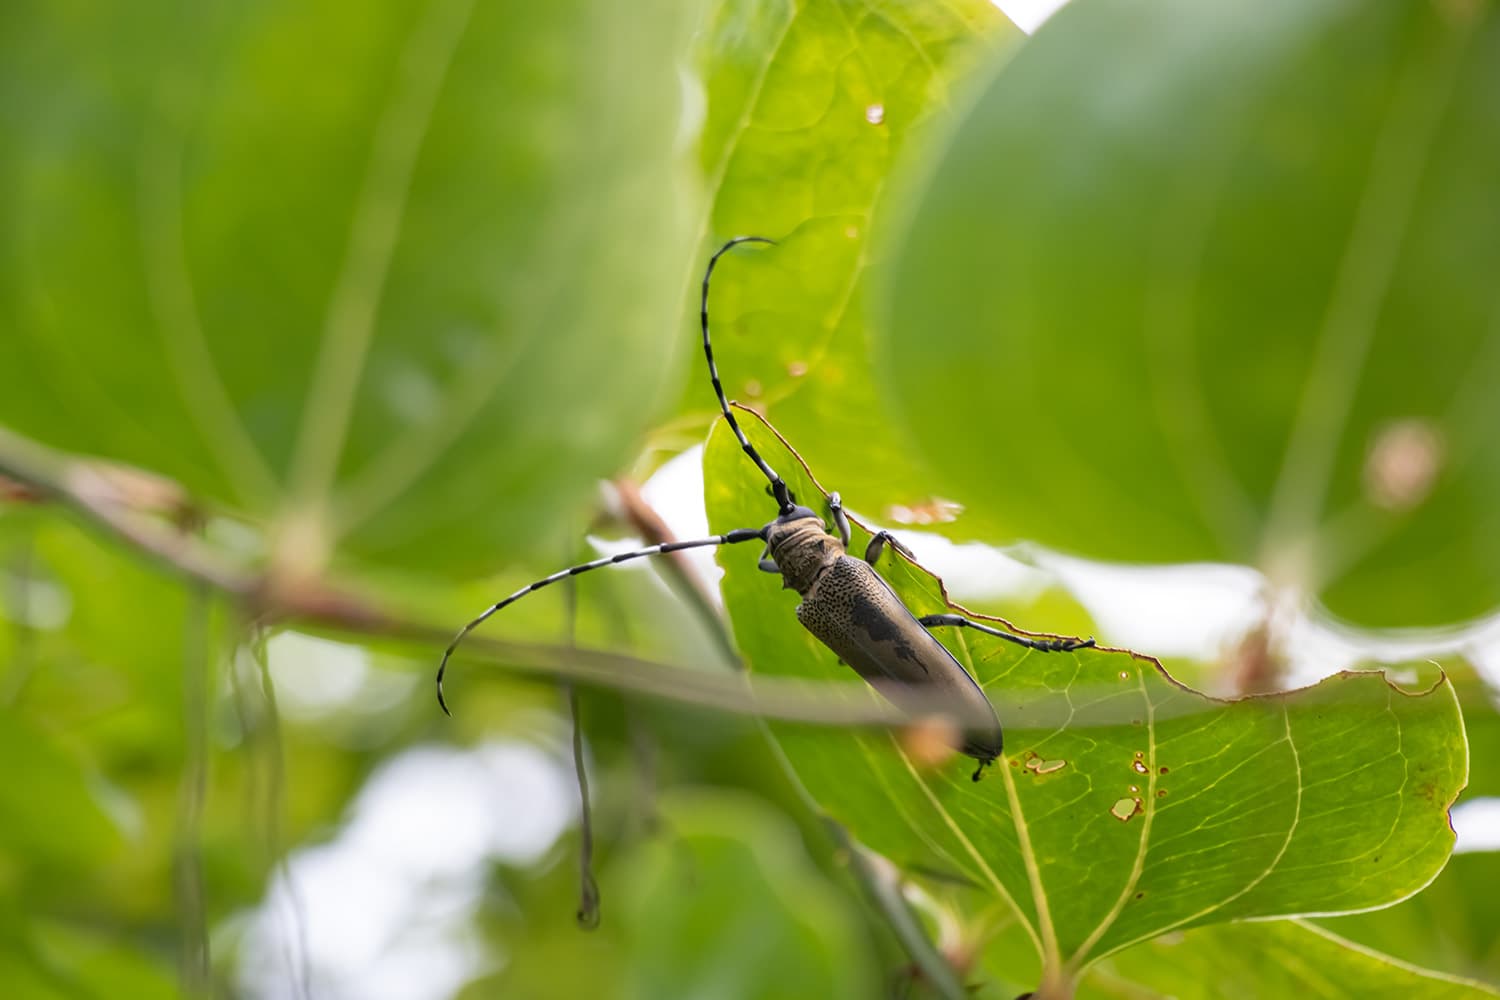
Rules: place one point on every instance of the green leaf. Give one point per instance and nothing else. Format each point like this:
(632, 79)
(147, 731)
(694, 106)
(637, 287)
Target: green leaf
(397, 281)
(1274, 958)
(112, 684)
(733, 907)
(1216, 282)
(1453, 924)
(813, 108)
(51, 813)
(1126, 805)
(725, 905)
(45, 960)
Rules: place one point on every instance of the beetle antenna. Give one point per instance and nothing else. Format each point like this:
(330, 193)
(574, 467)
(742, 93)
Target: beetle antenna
(778, 485)
(731, 538)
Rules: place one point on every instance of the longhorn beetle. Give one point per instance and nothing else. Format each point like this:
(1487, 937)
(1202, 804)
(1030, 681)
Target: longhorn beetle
(845, 603)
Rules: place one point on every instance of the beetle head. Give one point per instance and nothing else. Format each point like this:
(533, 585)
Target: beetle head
(795, 514)
(800, 544)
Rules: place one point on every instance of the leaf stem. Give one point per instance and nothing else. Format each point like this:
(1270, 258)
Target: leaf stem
(194, 958)
(885, 893)
(677, 567)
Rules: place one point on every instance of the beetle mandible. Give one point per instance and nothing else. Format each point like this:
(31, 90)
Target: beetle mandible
(845, 603)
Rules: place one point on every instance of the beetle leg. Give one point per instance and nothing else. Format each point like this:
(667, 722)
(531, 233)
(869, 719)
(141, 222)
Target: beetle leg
(840, 522)
(767, 564)
(1042, 645)
(880, 541)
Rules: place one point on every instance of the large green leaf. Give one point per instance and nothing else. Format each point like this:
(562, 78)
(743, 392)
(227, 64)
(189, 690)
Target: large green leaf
(394, 279)
(1454, 924)
(1126, 805)
(813, 105)
(1244, 960)
(1283, 958)
(1216, 282)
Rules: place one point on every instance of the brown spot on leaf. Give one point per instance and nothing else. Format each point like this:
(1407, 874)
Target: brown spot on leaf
(1404, 460)
(1039, 765)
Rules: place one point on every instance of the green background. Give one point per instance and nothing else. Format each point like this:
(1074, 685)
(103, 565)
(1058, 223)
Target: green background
(363, 304)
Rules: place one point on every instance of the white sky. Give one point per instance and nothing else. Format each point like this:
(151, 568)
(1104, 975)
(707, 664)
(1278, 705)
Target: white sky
(1028, 14)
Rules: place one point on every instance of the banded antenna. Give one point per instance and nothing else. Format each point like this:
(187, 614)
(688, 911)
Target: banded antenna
(728, 538)
(778, 485)
(735, 537)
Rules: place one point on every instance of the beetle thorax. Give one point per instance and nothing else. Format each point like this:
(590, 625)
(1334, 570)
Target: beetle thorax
(803, 549)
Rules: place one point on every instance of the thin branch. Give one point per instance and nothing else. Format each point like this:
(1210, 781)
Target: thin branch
(112, 498)
(784, 699)
(89, 489)
(885, 893)
(93, 491)
(588, 887)
(677, 567)
(269, 746)
(23, 658)
(194, 960)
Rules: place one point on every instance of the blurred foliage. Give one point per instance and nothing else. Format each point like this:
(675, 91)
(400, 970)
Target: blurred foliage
(379, 294)
(1227, 296)
(724, 904)
(309, 271)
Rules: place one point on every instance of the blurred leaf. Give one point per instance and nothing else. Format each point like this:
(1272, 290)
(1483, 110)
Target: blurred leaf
(1453, 924)
(116, 685)
(729, 906)
(813, 105)
(1127, 805)
(722, 904)
(52, 962)
(396, 280)
(1287, 958)
(95, 822)
(546, 955)
(1216, 282)
(51, 816)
